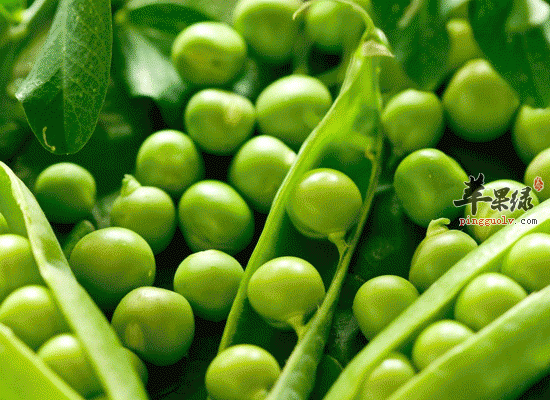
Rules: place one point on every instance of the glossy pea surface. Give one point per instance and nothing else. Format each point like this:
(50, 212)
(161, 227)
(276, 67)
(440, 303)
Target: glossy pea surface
(209, 53)
(212, 215)
(325, 202)
(537, 173)
(387, 377)
(531, 132)
(219, 121)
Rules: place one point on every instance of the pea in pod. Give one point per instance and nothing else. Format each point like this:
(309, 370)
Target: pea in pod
(111, 364)
(515, 326)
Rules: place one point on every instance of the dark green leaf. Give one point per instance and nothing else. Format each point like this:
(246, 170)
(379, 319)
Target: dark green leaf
(65, 90)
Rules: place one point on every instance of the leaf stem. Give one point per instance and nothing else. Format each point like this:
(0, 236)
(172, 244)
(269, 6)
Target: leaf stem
(31, 18)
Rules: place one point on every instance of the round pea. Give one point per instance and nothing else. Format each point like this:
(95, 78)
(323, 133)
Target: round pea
(379, 300)
(139, 365)
(32, 314)
(241, 372)
(66, 192)
(480, 104)
(169, 160)
(426, 183)
(528, 261)
(268, 26)
(324, 202)
(531, 132)
(539, 168)
(219, 121)
(146, 210)
(66, 357)
(291, 107)
(462, 44)
(209, 53)
(436, 340)
(213, 215)
(485, 298)
(209, 280)
(259, 168)
(17, 265)
(386, 378)
(413, 120)
(157, 324)
(437, 253)
(110, 262)
(285, 291)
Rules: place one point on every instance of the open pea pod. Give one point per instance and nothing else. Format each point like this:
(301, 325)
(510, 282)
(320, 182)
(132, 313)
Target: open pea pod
(347, 139)
(98, 339)
(438, 300)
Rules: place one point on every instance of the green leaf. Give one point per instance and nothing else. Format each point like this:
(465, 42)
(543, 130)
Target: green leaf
(64, 93)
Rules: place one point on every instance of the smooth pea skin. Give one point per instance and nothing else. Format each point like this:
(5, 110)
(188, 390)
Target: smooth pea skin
(462, 44)
(213, 215)
(169, 160)
(426, 183)
(539, 168)
(379, 300)
(325, 202)
(241, 372)
(436, 340)
(32, 314)
(390, 375)
(437, 253)
(157, 324)
(291, 107)
(285, 291)
(480, 104)
(413, 120)
(209, 280)
(268, 26)
(66, 357)
(219, 121)
(17, 265)
(110, 262)
(531, 132)
(258, 169)
(209, 53)
(146, 210)
(66, 192)
(528, 262)
(486, 298)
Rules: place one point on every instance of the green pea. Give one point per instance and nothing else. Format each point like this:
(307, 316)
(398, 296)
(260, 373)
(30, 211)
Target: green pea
(32, 313)
(139, 365)
(219, 121)
(437, 253)
(241, 372)
(285, 291)
(426, 183)
(17, 265)
(157, 324)
(462, 44)
(528, 261)
(268, 26)
(485, 212)
(209, 280)
(531, 132)
(169, 159)
(436, 340)
(110, 262)
(66, 192)
(258, 169)
(413, 120)
(146, 210)
(209, 53)
(486, 298)
(213, 215)
(325, 202)
(66, 357)
(291, 107)
(379, 300)
(480, 104)
(386, 378)
(539, 167)
(4, 227)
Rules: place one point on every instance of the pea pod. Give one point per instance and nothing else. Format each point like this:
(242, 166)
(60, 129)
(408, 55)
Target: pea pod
(347, 139)
(111, 364)
(436, 302)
